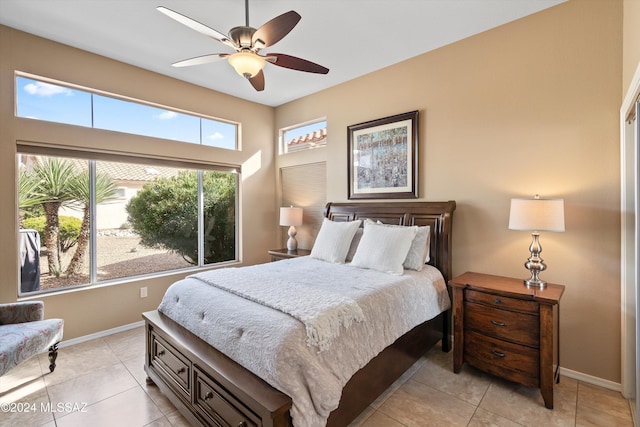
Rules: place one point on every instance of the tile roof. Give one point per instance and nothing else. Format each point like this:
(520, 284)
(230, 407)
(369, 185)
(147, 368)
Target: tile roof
(116, 170)
(135, 172)
(311, 138)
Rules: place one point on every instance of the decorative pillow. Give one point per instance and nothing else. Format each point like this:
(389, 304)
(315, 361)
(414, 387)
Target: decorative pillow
(333, 240)
(427, 254)
(354, 245)
(418, 254)
(384, 248)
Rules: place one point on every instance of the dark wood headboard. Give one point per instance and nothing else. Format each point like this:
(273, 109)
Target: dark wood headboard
(438, 215)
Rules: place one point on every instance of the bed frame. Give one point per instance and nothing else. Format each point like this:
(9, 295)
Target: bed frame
(210, 389)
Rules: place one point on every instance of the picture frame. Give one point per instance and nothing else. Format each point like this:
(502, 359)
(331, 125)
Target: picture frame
(383, 158)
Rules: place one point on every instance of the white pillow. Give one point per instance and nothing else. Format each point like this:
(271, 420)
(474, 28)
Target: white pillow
(354, 245)
(333, 240)
(384, 248)
(418, 254)
(427, 253)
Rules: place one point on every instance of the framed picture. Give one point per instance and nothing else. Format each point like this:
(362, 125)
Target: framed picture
(383, 158)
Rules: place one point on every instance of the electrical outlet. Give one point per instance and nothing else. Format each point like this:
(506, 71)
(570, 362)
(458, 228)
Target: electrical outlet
(143, 292)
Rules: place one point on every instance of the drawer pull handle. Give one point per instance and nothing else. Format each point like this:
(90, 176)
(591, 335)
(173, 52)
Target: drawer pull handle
(495, 322)
(208, 396)
(242, 424)
(497, 353)
(182, 370)
(497, 301)
(161, 353)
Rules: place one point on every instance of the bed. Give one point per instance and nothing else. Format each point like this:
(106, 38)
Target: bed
(210, 388)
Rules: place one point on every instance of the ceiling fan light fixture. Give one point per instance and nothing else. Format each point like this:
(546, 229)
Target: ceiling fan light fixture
(247, 64)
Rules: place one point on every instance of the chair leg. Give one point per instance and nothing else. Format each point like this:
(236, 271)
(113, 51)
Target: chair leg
(53, 355)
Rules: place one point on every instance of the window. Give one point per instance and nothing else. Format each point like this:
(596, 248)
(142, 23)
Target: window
(149, 218)
(121, 193)
(303, 136)
(57, 102)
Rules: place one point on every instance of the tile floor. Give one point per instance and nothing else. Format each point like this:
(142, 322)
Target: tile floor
(102, 383)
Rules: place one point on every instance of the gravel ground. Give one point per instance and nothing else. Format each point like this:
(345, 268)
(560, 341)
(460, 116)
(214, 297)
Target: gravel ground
(118, 256)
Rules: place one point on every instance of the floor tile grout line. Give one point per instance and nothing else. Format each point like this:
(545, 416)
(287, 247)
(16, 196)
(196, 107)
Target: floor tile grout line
(89, 373)
(46, 389)
(106, 398)
(479, 402)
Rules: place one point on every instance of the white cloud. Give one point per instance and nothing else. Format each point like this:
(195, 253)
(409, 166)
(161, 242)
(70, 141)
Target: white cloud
(46, 89)
(215, 136)
(166, 115)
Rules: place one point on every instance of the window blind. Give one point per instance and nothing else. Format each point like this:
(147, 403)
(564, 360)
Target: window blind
(305, 186)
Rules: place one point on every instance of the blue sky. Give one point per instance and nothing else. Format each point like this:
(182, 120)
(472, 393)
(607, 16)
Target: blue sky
(46, 101)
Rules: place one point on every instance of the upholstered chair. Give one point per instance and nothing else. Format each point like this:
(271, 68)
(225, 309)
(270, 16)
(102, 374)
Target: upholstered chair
(25, 333)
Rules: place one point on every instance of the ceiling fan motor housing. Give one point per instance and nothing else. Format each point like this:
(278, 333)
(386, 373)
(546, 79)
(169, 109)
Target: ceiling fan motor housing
(242, 36)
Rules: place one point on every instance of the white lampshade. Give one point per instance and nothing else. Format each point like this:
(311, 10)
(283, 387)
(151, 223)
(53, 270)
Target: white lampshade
(291, 216)
(246, 64)
(537, 214)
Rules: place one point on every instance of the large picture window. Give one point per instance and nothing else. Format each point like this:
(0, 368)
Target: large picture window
(85, 221)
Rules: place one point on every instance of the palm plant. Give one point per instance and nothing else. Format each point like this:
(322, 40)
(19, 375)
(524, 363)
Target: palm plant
(55, 177)
(28, 195)
(105, 189)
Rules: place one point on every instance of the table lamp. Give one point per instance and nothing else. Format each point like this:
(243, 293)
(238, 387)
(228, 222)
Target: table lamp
(291, 216)
(536, 215)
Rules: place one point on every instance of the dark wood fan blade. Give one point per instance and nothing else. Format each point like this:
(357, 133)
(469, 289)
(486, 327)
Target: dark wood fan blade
(257, 81)
(197, 26)
(273, 31)
(288, 61)
(198, 60)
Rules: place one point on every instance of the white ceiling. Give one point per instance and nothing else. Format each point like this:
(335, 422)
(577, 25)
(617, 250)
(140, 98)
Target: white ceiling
(350, 37)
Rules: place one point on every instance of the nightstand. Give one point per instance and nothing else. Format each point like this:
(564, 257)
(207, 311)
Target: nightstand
(280, 254)
(507, 329)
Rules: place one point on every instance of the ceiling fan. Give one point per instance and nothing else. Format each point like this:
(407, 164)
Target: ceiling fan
(247, 42)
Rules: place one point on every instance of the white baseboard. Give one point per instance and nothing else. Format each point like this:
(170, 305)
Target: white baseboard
(591, 379)
(101, 334)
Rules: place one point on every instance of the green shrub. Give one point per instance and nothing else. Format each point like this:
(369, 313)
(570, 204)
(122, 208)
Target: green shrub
(69, 229)
(164, 214)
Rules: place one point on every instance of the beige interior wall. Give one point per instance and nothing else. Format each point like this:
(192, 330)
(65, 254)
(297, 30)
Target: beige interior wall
(529, 107)
(93, 310)
(631, 41)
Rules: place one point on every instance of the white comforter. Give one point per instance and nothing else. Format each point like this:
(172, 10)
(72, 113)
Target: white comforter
(273, 345)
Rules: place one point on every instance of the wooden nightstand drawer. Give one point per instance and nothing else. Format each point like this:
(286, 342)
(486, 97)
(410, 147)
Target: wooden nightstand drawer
(218, 406)
(508, 325)
(510, 361)
(501, 301)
